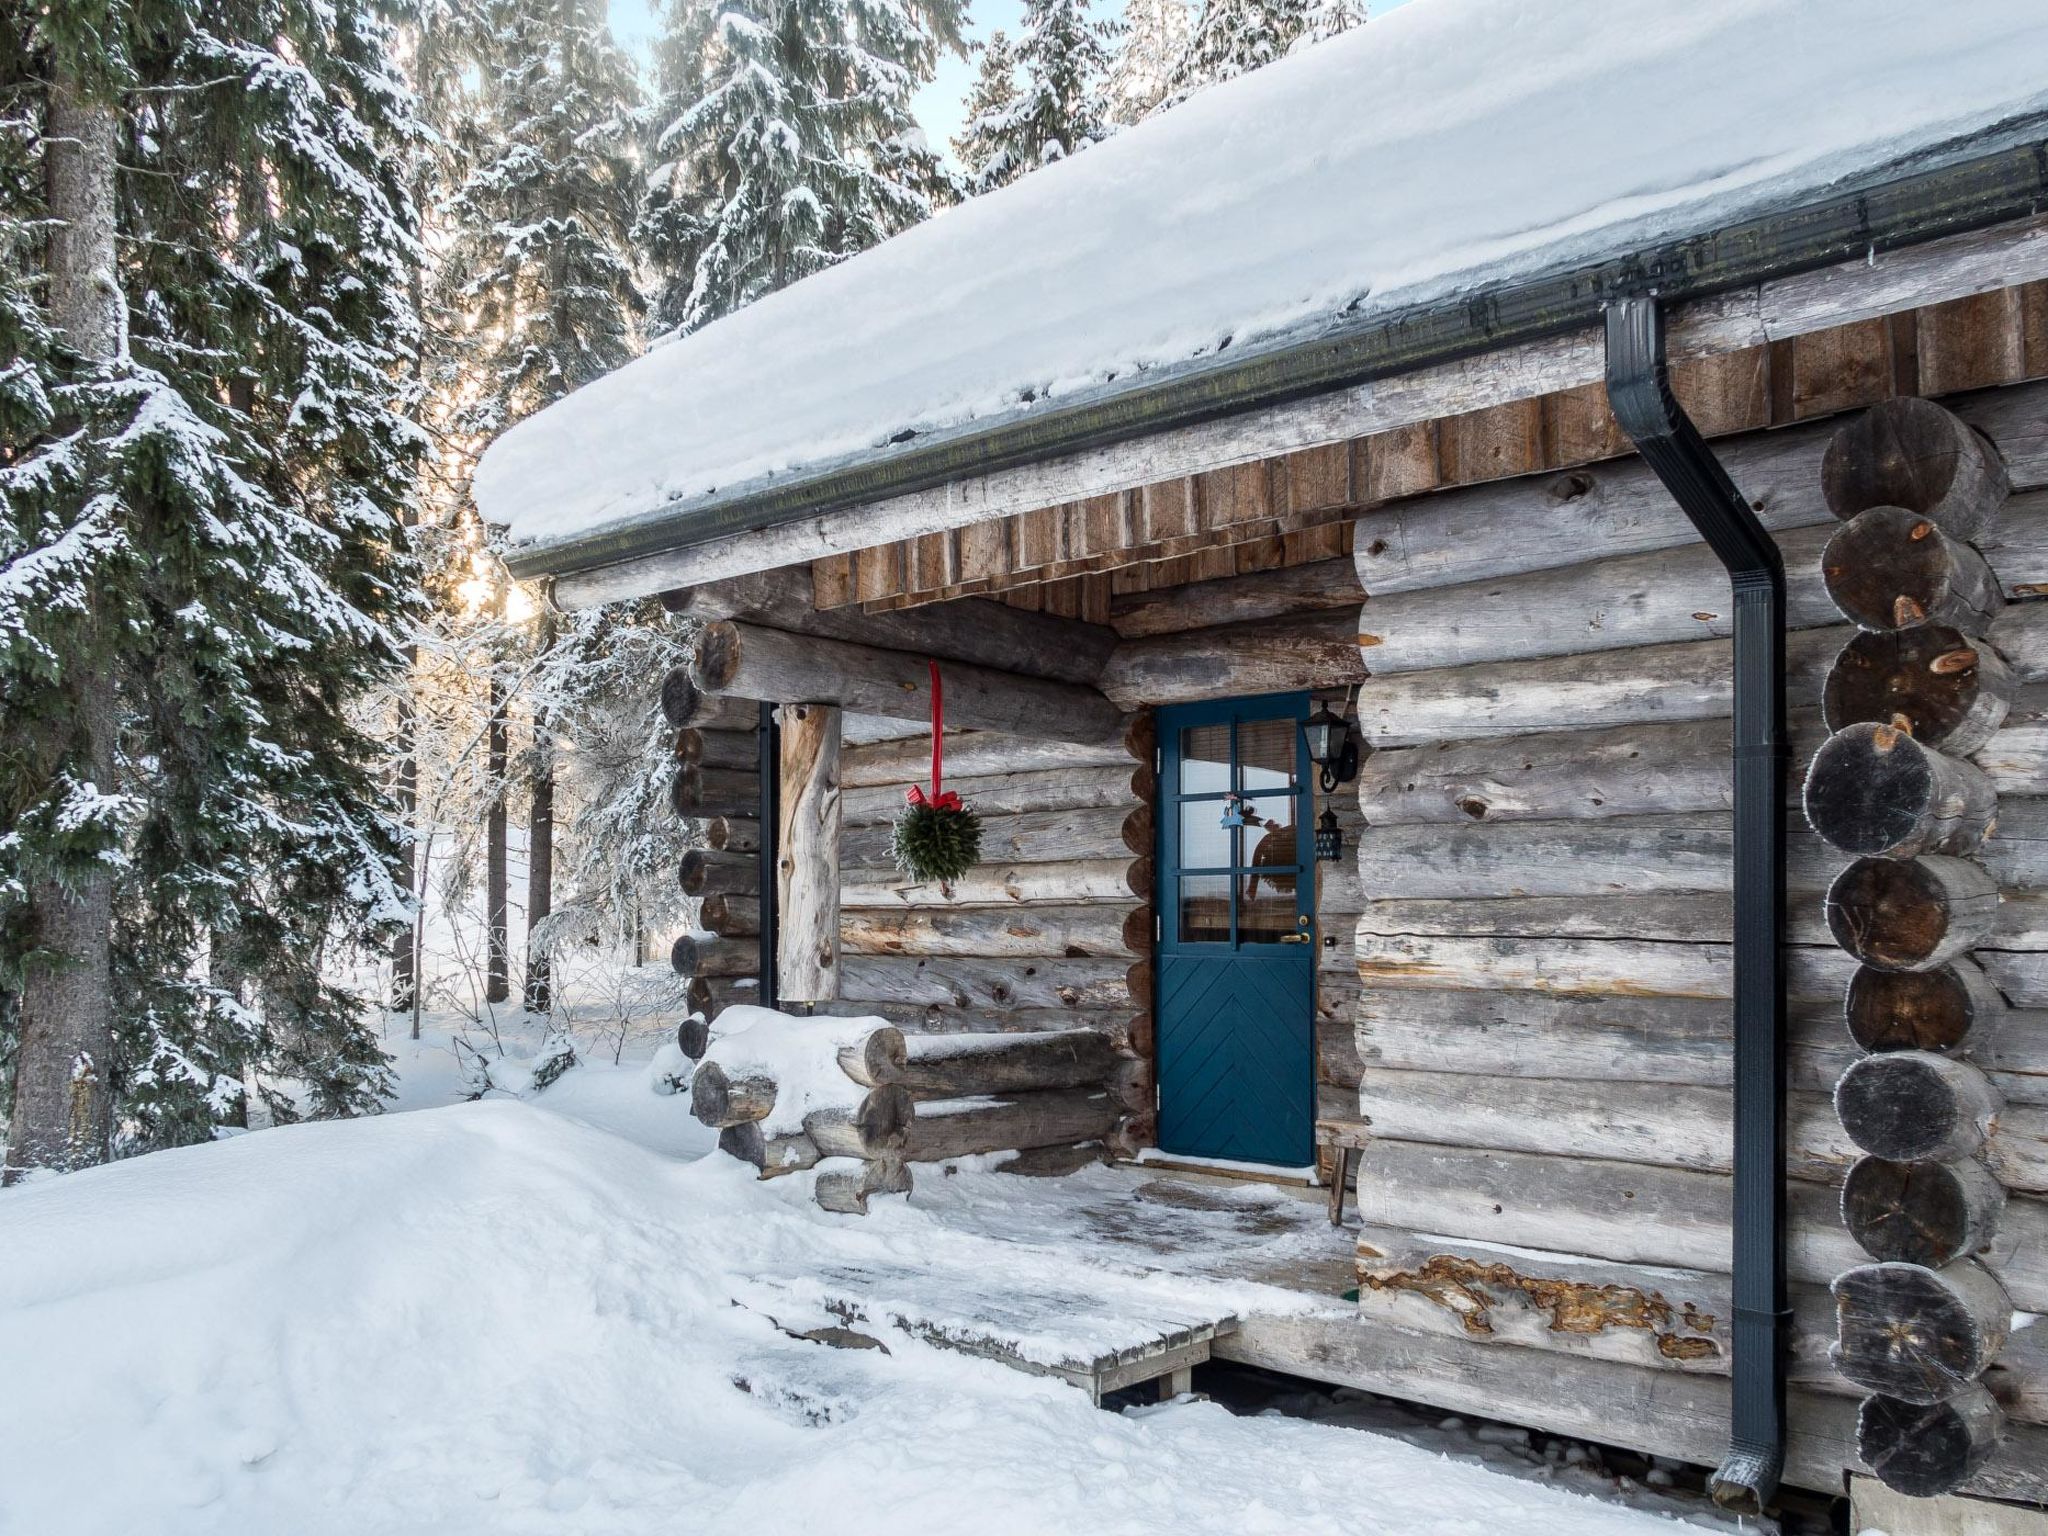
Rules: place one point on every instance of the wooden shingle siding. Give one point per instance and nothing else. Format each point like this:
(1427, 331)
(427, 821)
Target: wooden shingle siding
(1983, 341)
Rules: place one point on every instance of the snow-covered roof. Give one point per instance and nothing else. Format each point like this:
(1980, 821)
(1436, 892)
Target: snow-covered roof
(1448, 146)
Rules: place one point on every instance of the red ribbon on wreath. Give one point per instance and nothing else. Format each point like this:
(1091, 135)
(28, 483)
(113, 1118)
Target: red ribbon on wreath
(938, 800)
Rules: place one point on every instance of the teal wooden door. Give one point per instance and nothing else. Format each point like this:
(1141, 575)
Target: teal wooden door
(1235, 970)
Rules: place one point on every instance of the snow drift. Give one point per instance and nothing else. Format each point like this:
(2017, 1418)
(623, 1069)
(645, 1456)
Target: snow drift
(495, 1318)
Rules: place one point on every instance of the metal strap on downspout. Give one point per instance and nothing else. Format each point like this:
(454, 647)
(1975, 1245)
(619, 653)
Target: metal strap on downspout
(1639, 391)
(768, 751)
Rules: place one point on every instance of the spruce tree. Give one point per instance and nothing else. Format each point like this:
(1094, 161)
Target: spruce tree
(783, 142)
(1155, 37)
(203, 558)
(1063, 55)
(988, 103)
(1234, 37)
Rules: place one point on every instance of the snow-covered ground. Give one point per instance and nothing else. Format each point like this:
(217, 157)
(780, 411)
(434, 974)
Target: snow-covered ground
(549, 1314)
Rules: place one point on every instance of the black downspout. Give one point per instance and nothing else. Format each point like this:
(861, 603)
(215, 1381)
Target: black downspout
(1639, 391)
(768, 750)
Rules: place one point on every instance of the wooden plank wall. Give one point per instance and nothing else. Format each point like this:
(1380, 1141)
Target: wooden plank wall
(1078, 559)
(1542, 1026)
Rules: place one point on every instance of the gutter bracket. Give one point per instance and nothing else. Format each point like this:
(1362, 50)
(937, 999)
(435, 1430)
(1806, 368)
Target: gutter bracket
(1639, 391)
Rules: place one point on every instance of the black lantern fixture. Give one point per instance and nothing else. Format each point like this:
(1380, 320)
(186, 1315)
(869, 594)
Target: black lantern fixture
(1329, 838)
(1331, 747)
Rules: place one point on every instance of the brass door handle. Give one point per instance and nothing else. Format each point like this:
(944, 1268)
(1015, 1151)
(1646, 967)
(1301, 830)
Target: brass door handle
(1295, 938)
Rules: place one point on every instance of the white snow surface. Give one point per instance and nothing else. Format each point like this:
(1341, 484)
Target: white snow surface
(1445, 146)
(494, 1317)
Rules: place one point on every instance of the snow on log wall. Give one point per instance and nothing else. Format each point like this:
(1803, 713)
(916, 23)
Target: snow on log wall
(1542, 1024)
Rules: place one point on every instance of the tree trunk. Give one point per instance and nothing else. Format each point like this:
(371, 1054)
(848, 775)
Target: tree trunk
(972, 630)
(1006, 794)
(772, 1155)
(1911, 1106)
(972, 1066)
(1913, 454)
(1950, 691)
(848, 1190)
(964, 1128)
(1923, 1451)
(808, 925)
(719, 1100)
(540, 846)
(1045, 932)
(907, 759)
(1294, 589)
(1265, 656)
(1875, 790)
(1894, 569)
(1922, 1213)
(757, 663)
(62, 1115)
(1912, 915)
(405, 949)
(497, 942)
(1919, 1335)
(704, 873)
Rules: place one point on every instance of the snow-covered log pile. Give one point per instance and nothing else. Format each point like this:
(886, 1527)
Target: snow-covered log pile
(1544, 1024)
(858, 1100)
(1928, 678)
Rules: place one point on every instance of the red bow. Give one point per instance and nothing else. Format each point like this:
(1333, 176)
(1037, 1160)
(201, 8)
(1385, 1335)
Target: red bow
(947, 801)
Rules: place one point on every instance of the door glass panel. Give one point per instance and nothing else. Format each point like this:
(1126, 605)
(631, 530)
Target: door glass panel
(1267, 754)
(1205, 909)
(1270, 835)
(1266, 909)
(1205, 759)
(1205, 843)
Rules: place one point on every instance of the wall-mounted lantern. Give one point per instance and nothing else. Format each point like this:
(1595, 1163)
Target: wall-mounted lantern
(1329, 838)
(1331, 747)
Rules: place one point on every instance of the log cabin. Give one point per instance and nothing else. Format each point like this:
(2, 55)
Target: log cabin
(1503, 670)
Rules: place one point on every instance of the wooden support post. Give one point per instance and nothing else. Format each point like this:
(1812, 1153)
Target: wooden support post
(807, 940)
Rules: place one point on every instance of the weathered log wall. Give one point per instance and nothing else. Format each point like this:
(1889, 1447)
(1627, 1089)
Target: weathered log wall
(1541, 1036)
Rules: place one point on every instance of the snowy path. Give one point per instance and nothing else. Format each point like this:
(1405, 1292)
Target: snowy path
(497, 1317)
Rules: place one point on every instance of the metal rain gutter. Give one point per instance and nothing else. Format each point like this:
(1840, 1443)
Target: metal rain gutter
(768, 752)
(1639, 392)
(1997, 176)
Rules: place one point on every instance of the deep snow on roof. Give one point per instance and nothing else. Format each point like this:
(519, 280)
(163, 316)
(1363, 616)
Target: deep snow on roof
(1450, 144)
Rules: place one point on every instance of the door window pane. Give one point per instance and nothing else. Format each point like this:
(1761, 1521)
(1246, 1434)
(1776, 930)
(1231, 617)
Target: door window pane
(1270, 835)
(1205, 909)
(1205, 843)
(1267, 755)
(1266, 908)
(1205, 760)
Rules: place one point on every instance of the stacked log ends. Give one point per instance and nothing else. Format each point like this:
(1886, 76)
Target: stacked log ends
(715, 789)
(1915, 690)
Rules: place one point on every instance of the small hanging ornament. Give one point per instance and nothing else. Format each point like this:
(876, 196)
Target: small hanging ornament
(935, 836)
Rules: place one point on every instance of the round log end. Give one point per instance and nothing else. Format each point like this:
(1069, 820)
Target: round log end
(684, 792)
(693, 872)
(1137, 931)
(1925, 1450)
(1912, 1105)
(693, 1036)
(689, 746)
(883, 1117)
(1947, 690)
(1892, 569)
(717, 661)
(1916, 1334)
(1912, 914)
(1912, 454)
(1909, 1010)
(1874, 790)
(1920, 1213)
(682, 956)
(678, 697)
